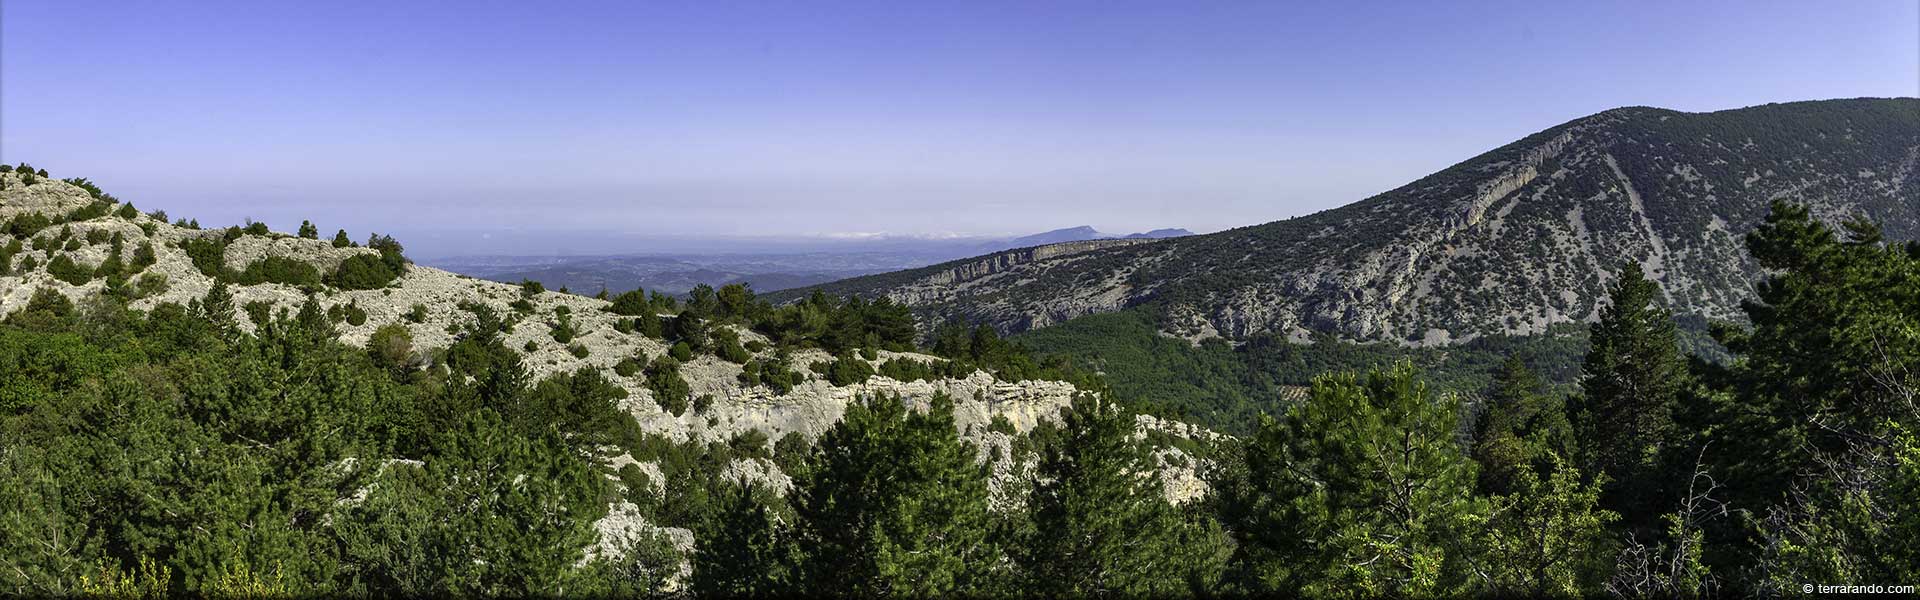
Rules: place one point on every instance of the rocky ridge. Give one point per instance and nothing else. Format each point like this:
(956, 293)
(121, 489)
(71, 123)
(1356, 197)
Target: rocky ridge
(1510, 242)
(809, 409)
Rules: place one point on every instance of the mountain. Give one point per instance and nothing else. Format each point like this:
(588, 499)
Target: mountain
(351, 370)
(1159, 233)
(1512, 241)
(668, 274)
(764, 266)
(1081, 234)
(1070, 234)
(60, 237)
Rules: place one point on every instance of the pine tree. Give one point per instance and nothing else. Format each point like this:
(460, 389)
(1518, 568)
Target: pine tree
(745, 549)
(648, 324)
(1102, 523)
(1361, 490)
(1522, 428)
(340, 239)
(1548, 538)
(1813, 417)
(308, 231)
(896, 505)
(1631, 382)
(632, 303)
(217, 305)
(519, 509)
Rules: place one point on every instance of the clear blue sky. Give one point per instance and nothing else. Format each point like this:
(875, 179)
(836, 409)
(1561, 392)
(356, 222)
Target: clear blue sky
(737, 118)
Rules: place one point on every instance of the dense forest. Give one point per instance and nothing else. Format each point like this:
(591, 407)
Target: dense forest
(1227, 386)
(166, 452)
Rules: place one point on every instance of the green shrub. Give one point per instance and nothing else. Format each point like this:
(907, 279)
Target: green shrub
(92, 190)
(391, 346)
(562, 327)
(209, 255)
(363, 272)
(632, 304)
(111, 267)
(648, 324)
(906, 369)
(733, 353)
(46, 309)
(845, 370)
(26, 224)
(279, 269)
(259, 312)
(681, 352)
(150, 285)
(669, 390)
(350, 312)
(96, 237)
(340, 239)
(257, 228)
(385, 244)
(12, 249)
(127, 211)
(628, 366)
(529, 288)
(775, 374)
(727, 346)
(64, 269)
(531, 346)
(579, 350)
(144, 256)
(308, 231)
(417, 314)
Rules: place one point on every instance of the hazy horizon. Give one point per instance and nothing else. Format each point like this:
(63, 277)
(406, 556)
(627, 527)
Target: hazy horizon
(503, 130)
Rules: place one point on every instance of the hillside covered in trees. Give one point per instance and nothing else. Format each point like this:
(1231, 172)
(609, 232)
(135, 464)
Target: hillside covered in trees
(261, 419)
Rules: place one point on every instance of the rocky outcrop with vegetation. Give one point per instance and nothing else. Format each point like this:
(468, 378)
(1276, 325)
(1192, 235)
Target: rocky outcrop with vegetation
(1511, 242)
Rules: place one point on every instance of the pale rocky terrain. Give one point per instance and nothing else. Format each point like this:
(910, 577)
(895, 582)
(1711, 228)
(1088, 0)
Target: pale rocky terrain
(1512, 242)
(808, 410)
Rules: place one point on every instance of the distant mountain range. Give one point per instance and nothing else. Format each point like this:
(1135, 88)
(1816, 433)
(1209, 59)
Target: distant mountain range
(765, 269)
(1082, 233)
(1512, 241)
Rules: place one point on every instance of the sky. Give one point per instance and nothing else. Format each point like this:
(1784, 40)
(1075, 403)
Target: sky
(562, 127)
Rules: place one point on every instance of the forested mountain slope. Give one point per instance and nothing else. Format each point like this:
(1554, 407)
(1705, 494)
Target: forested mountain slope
(1508, 242)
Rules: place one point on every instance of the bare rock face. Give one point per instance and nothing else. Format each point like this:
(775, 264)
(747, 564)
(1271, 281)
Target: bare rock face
(625, 526)
(319, 253)
(47, 197)
(1513, 241)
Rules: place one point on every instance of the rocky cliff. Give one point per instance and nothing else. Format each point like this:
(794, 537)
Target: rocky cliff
(1509, 242)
